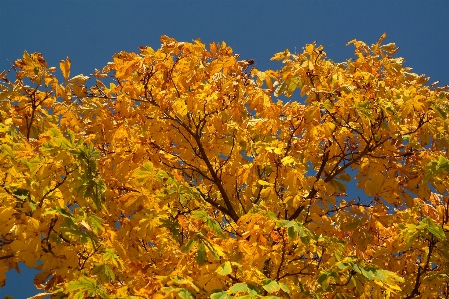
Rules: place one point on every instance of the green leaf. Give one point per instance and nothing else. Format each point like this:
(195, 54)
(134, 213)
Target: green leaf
(339, 186)
(161, 176)
(180, 280)
(144, 173)
(66, 214)
(79, 295)
(328, 105)
(270, 215)
(342, 266)
(199, 214)
(443, 164)
(441, 109)
(356, 268)
(21, 193)
(365, 109)
(109, 274)
(185, 294)
(210, 222)
(109, 255)
(369, 273)
(187, 247)
(239, 288)
(104, 273)
(8, 149)
(344, 177)
(324, 280)
(434, 229)
(84, 284)
(284, 287)
(436, 167)
(444, 251)
(272, 286)
(291, 233)
(284, 223)
(201, 255)
(379, 274)
(252, 291)
(220, 295)
(215, 227)
(96, 223)
(172, 226)
(224, 269)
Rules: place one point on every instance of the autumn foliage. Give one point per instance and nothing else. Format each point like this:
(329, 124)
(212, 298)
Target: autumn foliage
(184, 172)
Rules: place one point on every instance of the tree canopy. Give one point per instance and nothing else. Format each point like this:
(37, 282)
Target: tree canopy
(184, 172)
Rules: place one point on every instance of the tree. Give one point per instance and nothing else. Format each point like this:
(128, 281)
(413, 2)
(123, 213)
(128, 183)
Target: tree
(177, 174)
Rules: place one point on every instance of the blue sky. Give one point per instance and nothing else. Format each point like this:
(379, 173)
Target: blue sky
(90, 32)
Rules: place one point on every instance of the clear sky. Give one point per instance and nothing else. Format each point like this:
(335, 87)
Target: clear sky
(90, 32)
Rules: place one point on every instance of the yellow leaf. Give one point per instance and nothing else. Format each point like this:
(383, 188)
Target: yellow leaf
(281, 55)
(180, 107)
(263, 183)
(65, 68)
(79, 79)
(6, 213)
(33, 224)
(129, 199)
(80, 91)
(40, 296)
(316, 209)
(242, 174)
(288, 160)
(40, 279)
(85, 225)
(374, 185)
(265, 192)
(17, 245)
(312, 114)
(128, 196)
(277, 150)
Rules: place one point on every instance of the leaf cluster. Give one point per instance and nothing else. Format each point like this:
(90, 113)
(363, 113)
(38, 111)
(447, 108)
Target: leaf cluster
(179, 173)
